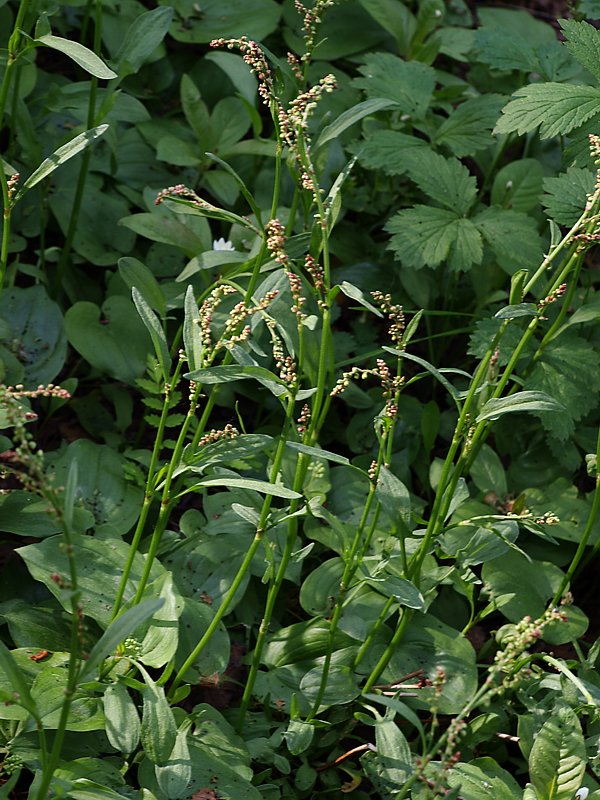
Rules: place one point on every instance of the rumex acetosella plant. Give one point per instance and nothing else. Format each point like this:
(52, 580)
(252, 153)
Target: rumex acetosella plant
(259, 613)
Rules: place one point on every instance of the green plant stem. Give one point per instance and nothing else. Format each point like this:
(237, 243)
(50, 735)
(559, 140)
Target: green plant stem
(74, 661)
(149, 493)
(247, 561)
(384, 660)
(84, 165)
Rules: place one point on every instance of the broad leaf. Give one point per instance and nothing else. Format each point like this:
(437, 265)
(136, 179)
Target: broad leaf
(518, 185)
(566, 195)
(425, 236)
(555, 108)
(583, 42)
(409, 83)
(391, 151)
(445, 180)
(469, 127)
(158, 730)
(154, 328)
(512, 236)
(558, 758)
(122, 720)
(351, 116)
(142, 38)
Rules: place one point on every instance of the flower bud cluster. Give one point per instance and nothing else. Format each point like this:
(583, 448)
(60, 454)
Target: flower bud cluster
(394, 313)
(207, 310)
(298, 298)
(311, 19)
(254, 57)
(276, 242)
(552, 297)
(214, 435)
(284, 363)
(12, 184)
(303, 419)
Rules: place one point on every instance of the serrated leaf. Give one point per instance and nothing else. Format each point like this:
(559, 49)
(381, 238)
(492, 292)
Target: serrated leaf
(409, 83)
(583, 42)
(425, 237)
(445, 180)
(512, 236)
(518, 185)
(569, 370)
(469, 127)
(504, 50)
(85, 58)
(391, 151)
(558, 759)
(566, 195)
(520, 401)
(555, 108)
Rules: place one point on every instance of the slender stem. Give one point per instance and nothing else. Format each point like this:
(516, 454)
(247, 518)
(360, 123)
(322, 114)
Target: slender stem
(84, 165)
(247, 561)
(406, 615)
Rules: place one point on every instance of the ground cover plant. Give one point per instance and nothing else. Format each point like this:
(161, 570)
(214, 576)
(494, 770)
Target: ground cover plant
(299, 400)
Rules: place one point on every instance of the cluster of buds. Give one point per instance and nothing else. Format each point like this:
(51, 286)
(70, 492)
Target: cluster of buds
(394, 313)
(311, 19)
(284, 363)
(179, 190)
(303, 419)
(297, 296)
(552, 297)
(295, 119)
(594, 141)
(373, 471)
(390, 384)
(521, 636)
(207, 310)
(276, 242)
(11, 185)
(295, 65)
(547, 518)
(315, 270)
(234, 333)
(48, 390)
(254, 57)
(228, 432)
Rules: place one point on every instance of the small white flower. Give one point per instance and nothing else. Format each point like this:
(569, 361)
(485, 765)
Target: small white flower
(221, 244)
(582, 793)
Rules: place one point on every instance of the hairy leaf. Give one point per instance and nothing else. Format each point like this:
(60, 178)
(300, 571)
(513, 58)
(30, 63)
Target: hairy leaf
(409, 83)
(425, 237)
(391, 151)
(445, 180)
(566, 195)
(583, 42)
(469, 127)
(555, 108)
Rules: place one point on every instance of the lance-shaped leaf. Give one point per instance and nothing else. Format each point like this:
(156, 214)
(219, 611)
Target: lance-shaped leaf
(159, 731)
(558, 757)
(85, 58)
(64, 153)
(155, 330)
(520, 401)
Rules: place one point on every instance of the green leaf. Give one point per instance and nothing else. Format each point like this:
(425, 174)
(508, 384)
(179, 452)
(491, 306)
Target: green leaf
(248, 483)
(583, 42)
(425, 237)
(409, 83)
(520, 401)
(159, 644)
(18, 684)
(122, 719)
(504, 574)
(569, 370)
(394, 758)
(401, 589)
(391, 151)
(505, 50)
(518, 185)
(99, 570)
(351, 116)
(154, 328)
(33, 326)
(488, 473)
(393, 496)
(483, 779)
(85, 58)
(134, 273)
(175, 775)
(318, 452)
(143, 36)
(60, 156)
(354, 293)
(512, 236)
(555, 108)
(228, 373)
(158, 731)
(516, 311)
(395, 17)
(191, 334)
(430, 368)
(342, 685)
(558, 757)
(566, 195)
(445, 180)
(298, 736)
(117, 345)
(255, 19)
(469, 128)
(236, 70)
